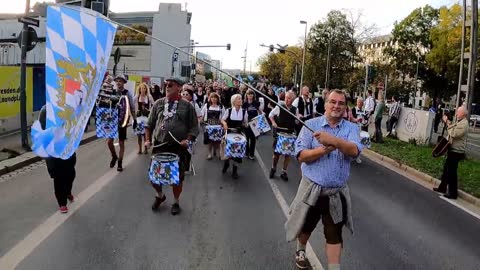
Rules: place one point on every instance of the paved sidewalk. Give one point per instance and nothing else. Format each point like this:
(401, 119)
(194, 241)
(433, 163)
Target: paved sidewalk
(23, 158)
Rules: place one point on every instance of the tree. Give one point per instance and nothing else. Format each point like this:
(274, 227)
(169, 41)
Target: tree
(444, 57)
(330, 41)
(280, 67)
(209, 75)
(412, 42)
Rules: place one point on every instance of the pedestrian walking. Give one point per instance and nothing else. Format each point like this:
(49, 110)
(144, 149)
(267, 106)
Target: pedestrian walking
(171, 119)
(284, 122)
(62, 171)
(323, 193)
(252, 107)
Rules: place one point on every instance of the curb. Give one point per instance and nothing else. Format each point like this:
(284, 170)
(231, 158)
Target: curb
(376, 157)
(30, 158)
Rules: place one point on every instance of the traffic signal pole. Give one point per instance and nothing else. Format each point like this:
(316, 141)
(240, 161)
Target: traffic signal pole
(23, 78)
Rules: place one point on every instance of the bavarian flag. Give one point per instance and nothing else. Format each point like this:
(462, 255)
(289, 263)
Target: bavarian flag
(79, 43)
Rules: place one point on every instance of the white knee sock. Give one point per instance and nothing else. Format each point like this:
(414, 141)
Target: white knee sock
(300, 246)
(334, 267)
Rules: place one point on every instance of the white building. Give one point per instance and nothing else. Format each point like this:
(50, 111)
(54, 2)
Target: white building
(216, 64)
(150, 57)
(146, 57)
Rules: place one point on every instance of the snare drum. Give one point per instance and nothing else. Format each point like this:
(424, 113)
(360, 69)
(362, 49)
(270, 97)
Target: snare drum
(285, 144)
(365, 139)
(106, 123)
(259, 125)
(236, 145)
(215, 132)
(141, 123)
(164, 169)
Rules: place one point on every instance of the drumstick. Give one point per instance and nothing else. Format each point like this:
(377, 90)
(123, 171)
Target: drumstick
(282, 128)
(153, 146)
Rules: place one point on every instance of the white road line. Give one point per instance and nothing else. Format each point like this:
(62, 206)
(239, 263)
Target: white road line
(454, 203)
(312, 257)
(22, 249)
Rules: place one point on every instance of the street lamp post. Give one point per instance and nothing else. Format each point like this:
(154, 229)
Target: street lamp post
(304, 51)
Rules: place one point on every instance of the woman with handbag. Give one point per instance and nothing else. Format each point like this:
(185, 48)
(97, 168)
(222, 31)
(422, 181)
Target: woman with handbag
(212, 112)
(143, 103)
(457, 130)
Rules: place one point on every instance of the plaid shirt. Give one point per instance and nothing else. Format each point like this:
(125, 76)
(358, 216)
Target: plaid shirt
(395, 110)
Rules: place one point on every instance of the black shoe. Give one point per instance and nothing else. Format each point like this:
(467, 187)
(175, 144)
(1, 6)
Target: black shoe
(234, 172)
(175, 209)
(157, 202)
(272, 173)
(439, 190)
(113, 161)
(225, 167)
(449, 196)
(119, 167)
(301, 259)
(284, 176)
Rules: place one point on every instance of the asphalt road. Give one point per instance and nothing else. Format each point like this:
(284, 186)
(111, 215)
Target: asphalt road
(225, 223)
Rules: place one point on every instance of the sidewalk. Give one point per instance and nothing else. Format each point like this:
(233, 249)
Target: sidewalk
(14, 157)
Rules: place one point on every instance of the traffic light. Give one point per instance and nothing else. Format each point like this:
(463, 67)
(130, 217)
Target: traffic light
(372, 73)
(229, 46)
(281, 50)
(100, 6)
(270, 48)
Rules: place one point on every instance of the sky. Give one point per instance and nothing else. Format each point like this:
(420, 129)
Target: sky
(249, 23)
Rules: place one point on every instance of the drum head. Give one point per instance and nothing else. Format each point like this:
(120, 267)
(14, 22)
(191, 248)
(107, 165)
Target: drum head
(364, 134)
(165, 157)
(286, 135)
(235, 137)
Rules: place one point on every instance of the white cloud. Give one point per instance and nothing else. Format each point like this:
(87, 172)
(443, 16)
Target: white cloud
(217, 22)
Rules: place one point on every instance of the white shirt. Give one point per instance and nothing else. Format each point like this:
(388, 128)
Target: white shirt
(212, 108)
(198, 111)
(369, 104)
(306, 112)
(236, 115)
(276, 112)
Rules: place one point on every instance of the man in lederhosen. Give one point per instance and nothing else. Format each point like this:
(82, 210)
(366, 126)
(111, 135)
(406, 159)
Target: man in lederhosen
(282, 121)
(171, 116)
(305, 106)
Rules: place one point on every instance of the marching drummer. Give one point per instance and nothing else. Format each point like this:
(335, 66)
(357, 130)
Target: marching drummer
(120, 80)
(212, 112)
(234, 118)
(284, 122)
(252, 107)
(143, 103)
(171, 119)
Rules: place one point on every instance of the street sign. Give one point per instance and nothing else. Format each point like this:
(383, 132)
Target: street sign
(175, 57)
(29, 21)
(32, 39)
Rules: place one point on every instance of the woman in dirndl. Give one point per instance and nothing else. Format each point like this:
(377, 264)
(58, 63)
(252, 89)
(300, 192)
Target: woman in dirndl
(143, 103)
(234, 118)
(212, 112)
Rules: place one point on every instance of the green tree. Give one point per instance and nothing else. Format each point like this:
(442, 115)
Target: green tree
(444, 57)
(331, 40)
(412, 42)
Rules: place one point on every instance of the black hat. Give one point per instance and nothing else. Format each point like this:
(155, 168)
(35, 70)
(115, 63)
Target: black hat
(121, 77)
(175, 79)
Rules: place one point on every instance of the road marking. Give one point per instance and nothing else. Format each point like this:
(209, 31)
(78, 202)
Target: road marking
(21, 250)
(312, 257)
(454, 203)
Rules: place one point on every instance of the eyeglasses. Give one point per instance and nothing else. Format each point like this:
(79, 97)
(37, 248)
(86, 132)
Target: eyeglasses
(336, 102)
(185, 94)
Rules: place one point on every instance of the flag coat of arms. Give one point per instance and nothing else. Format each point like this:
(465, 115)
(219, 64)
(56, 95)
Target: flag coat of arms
(79, 43)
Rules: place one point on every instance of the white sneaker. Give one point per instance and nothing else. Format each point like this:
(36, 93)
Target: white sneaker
(358, 160)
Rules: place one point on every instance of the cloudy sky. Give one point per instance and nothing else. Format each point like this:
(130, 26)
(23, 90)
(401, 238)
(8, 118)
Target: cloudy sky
(252, 22)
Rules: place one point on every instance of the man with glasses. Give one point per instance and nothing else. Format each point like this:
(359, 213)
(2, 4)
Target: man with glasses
(325, 157)
(171, 119)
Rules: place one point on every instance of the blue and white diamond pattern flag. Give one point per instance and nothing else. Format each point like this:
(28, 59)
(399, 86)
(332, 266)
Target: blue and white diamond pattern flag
(79, 43)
